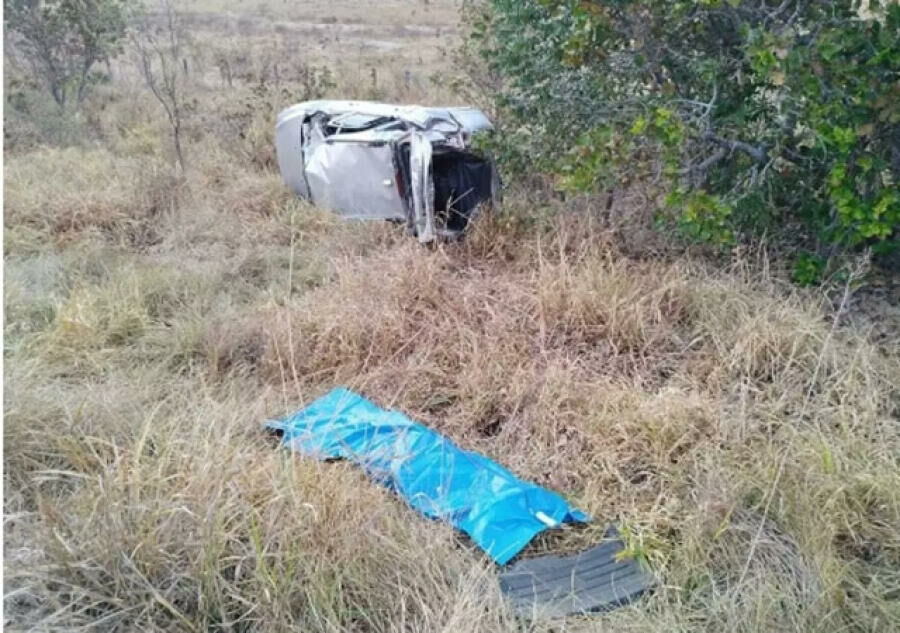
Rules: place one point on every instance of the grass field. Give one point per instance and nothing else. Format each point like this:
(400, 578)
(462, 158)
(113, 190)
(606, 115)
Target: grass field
(743, 431)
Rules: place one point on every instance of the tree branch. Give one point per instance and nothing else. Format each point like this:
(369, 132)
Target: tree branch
(757, 153)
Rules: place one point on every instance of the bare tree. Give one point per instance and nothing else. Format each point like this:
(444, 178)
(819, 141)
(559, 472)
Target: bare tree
(158, 40)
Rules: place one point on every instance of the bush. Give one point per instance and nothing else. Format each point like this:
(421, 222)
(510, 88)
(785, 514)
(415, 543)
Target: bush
(31, 120)
(62, 41)
(745, 117)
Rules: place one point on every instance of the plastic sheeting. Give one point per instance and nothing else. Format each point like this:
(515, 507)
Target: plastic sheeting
(500, 512)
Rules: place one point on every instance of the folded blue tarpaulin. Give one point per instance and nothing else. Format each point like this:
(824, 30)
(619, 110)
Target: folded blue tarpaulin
(500, 512)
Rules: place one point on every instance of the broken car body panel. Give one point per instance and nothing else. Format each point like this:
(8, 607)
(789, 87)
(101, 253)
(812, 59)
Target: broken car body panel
(368, 160)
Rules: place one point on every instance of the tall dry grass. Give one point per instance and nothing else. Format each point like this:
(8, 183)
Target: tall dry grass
(747, 444)
(742, 432)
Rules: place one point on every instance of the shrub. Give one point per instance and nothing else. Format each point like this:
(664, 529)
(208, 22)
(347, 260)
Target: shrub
(746, 117)
(63, 40)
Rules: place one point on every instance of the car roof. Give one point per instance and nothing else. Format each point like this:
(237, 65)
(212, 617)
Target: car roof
(467, 118)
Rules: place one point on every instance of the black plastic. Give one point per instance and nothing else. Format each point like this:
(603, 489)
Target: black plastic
(598, 579)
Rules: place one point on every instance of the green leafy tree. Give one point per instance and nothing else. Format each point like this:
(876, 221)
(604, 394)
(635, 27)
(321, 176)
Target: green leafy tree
(747, 116)
(63, 41)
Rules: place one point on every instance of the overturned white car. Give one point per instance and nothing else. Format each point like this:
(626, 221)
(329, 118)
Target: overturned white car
(381, 161)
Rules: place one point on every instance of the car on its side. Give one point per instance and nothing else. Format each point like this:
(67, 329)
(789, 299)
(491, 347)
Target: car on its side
(369, 160)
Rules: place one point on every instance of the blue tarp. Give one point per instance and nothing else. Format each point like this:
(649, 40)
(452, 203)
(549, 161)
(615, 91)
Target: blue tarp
(500, 512)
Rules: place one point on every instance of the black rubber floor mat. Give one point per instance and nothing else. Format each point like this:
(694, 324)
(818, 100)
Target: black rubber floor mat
(590, 581)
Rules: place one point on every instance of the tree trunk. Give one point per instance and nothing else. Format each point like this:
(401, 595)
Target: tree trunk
(176, 138)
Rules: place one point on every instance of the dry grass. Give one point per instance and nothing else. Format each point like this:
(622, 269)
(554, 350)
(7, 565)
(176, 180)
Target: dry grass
(666, 396)
(64, 193)
(743, 435)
